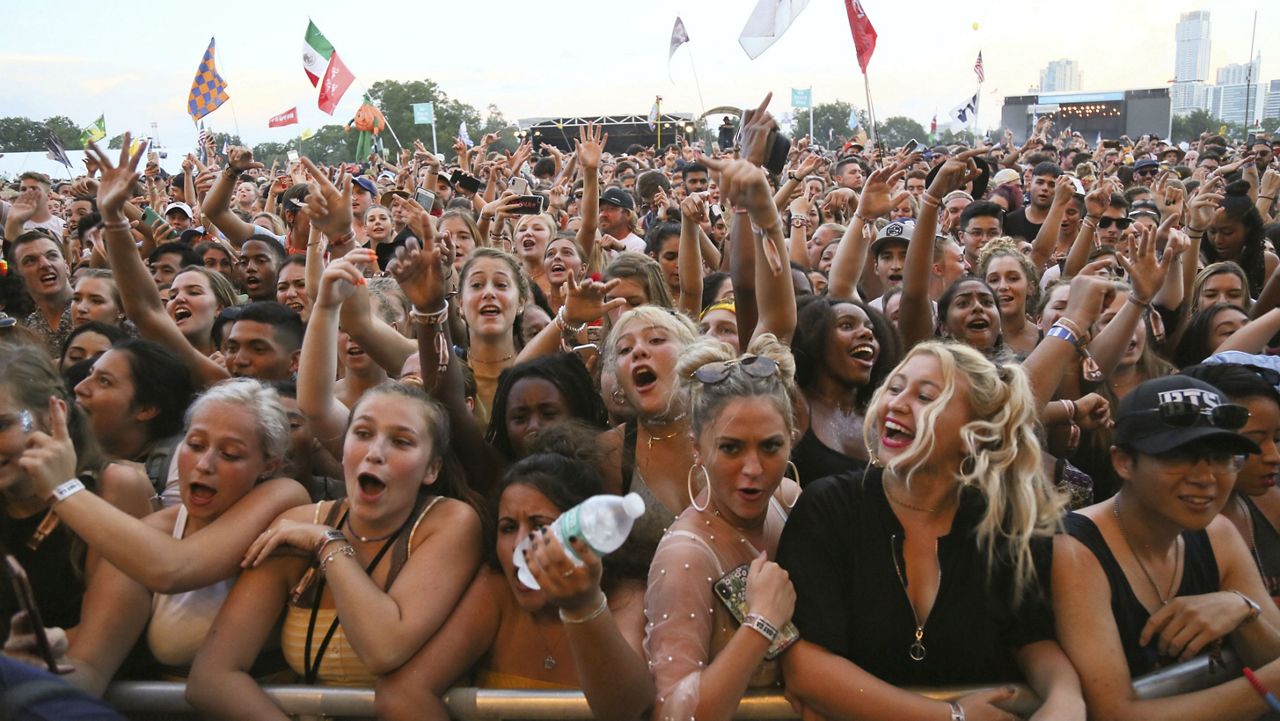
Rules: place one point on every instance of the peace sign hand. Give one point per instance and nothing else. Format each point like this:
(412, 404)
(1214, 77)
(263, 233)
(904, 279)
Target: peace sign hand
(328, 207)
(420, 271)
(116, 184)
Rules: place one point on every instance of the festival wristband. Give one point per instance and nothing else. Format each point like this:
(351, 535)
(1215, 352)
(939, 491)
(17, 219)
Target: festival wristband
(67, 490)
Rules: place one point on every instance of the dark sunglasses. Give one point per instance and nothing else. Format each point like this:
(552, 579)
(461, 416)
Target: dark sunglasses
(1146, 171)
(1120, 223)
(1182, 414)
(755, 366)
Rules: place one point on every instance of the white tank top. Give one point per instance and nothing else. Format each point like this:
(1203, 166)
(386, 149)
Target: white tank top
(180, 621)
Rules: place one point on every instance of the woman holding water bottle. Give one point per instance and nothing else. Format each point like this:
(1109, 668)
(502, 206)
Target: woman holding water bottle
(572, 625)
(719, 610)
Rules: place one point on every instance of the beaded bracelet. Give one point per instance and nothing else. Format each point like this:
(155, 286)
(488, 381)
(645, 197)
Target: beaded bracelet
(604, 606)
(565, 328)
(930, 201)
(347, 550)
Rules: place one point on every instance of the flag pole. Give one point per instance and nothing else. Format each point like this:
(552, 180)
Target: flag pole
(871, 109)
(813, 135)
(658, 104)
(696, 84)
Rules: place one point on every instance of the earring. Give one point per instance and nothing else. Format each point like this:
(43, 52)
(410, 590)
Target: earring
(619, 397)
(795, 476)
(688, 484)
(967, 466)
(871, 454)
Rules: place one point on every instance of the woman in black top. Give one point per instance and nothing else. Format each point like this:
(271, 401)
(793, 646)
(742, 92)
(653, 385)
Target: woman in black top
(925, 572)
(1153, 575)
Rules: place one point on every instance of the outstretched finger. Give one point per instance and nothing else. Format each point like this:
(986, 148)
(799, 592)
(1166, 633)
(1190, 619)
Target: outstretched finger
(58, 418)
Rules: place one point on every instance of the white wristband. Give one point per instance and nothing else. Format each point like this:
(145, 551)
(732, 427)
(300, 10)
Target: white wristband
(66, 490)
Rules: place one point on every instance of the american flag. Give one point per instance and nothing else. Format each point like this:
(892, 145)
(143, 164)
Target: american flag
(977, 68)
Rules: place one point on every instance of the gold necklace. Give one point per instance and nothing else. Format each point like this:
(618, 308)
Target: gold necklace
(892, 497)
(1177, 559)
(667, 437)
(549, 661)
(497, 360)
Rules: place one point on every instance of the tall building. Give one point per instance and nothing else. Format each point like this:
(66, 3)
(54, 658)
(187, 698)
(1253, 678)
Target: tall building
(1238, 73)
(1060, 76)
(1191, 62)
(1236, 103)
(1271, 105)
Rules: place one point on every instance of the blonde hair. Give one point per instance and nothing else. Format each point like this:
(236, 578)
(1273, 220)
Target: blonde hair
(1003, 453)
(705, 400)
(645, 271)
(1219, 268)
(682, 331)
(1006, 246)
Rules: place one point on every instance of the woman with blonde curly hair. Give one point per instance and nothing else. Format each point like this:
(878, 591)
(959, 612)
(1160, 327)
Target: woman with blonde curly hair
(1013, 277)
(705, 654)
(957, 511)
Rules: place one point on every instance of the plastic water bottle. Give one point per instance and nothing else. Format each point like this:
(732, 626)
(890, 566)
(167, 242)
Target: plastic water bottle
(602, 522)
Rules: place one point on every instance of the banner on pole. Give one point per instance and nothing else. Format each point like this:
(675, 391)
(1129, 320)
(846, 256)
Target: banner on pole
(424, 114)
(801, 98)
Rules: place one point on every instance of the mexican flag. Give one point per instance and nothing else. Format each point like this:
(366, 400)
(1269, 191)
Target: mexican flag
(315, 53)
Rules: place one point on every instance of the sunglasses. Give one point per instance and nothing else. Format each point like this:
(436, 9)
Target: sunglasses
(755, 366)
(1182, 414)
(1145, 171)
(1119, 223)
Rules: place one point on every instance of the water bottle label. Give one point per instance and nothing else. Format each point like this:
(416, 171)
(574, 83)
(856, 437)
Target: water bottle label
(569, 525)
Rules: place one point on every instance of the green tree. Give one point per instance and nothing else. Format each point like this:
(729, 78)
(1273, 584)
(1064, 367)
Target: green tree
(268, 153)
(115, 142)
(831, 121)
(331, 144)
(1188, 127)
(395, 100)
(19, 134)
(894, 132)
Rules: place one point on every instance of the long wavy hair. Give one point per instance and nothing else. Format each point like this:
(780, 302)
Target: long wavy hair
(1002, 447)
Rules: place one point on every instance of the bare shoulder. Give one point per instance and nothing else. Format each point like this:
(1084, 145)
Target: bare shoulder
(281, 490)
(126, 486)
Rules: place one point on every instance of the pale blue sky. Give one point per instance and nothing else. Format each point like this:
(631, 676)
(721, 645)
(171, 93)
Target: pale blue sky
(134, 61)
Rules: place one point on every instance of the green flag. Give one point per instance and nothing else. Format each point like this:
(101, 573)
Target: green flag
(95, 131)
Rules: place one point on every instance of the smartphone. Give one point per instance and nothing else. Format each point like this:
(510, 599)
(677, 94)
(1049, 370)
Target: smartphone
(27, 602)
(465, 181)
(519, 185)
(595, 333)
(293, 156)
(426, 199)
(1110, 143)
(150, 216)
(910, 146)
(528, 204)
(731, 589)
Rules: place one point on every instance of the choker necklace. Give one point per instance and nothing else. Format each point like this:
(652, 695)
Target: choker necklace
(672, 434)
(893, 497)
(1177, 558)
(368, 539)
(496, 360)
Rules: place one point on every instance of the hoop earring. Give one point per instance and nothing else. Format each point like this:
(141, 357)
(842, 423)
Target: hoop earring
(688, 484)
(795, 473)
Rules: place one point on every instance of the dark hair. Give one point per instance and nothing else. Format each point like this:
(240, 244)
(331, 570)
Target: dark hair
(32, 236)
(1047, 167)
(285, 320)
(112, 333)
(1236, 381)
(657, 236)
(161, 381)
(981, 209)
(949, 295)
(694, 167)
(650, 182)
(711, 286)
(272, 244)
(1193, 345)
(88, 222)
(814, 319)
(187, 255)
(1237, 206)
(544, 167)
(566, 372)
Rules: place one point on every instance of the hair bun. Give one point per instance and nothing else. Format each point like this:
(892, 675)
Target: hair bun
(1238, 188)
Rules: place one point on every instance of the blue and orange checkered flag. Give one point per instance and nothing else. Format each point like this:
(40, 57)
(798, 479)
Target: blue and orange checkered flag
(208, 90)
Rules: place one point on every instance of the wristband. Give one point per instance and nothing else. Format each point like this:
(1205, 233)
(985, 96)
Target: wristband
(1075, 329)
(1062, 333)
(1254, 609)
(1144, 304)
(757, 623)
(930, 201)
(66, 490)
(957, 713)
(343, 239)
(329, 536)
(565, 328)
(1266, 695)
(433, 318)
(604, 606)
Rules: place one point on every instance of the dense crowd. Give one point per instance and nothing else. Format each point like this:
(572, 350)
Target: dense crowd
(899, 417)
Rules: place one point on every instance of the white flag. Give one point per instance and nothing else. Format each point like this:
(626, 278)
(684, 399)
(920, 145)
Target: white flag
(965, 111)
(653, 115)
(462, 134)
(767, 23)
(679, 36)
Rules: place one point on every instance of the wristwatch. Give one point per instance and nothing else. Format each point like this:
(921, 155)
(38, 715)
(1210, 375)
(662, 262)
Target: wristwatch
(756, 622)
(791, 175)
(329, 536)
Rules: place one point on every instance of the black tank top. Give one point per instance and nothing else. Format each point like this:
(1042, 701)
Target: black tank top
(1199, 576)
(1265, 546)
(57, 586)
(815, 460)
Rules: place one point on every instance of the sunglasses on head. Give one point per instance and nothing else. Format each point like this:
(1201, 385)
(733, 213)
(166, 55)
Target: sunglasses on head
(1228, 416)
(1119, 223)
(755, 366)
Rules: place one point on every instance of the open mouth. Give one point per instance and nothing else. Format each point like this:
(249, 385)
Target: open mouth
(979, 325)
(490, 311)
(370, 485)
(355, 351)
(895, 278)
(556, 266)
(897, 435)
(296, 306)
(49, 277)
(644, 378)
(865, 352)
(181, 313)
(750, 494)
(200, 494)
(251, 281)
(528, 243)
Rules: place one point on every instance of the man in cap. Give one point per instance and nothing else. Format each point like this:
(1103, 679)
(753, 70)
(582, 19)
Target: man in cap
(363, 191)
(617, 219)
(178, 215)
(1144, 172)
(889, 256)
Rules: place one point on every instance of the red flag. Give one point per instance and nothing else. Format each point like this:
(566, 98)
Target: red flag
(288, 117)
(864, 36)
(335, 83)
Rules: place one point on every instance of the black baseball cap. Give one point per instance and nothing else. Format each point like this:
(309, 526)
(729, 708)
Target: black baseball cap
(618, 197)
(1165, 413)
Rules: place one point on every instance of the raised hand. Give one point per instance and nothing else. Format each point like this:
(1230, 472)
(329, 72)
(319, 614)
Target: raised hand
(115, 186)
(1146, 273)
(694, 207)
(329, 207)
(1202, 210)
(23, 207)
(585, 302)
(955, 173)
(50, 458)
(876, 201)
(241, 158)
(742, 182)
(339, 279)
(1093, 411)
(1098, 200)
(1063, 189)
(422, 272)
(416, 218)
(591, 141)
(565, 584)
(756, 125)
